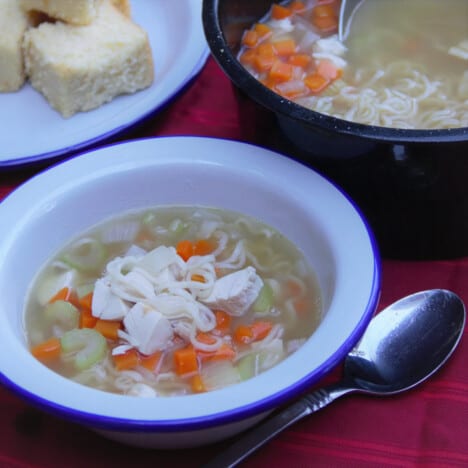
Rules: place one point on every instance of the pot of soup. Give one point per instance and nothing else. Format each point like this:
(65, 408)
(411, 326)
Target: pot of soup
(384, 113)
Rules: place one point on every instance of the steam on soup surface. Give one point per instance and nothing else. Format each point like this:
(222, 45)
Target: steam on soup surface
(404, 64)
(171, 301)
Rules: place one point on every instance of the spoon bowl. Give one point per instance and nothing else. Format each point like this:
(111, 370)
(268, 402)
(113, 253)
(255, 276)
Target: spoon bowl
(403, 346)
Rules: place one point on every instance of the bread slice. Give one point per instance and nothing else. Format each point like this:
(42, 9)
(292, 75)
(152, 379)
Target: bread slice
(79, 68)
(79, 12)
(13, 24)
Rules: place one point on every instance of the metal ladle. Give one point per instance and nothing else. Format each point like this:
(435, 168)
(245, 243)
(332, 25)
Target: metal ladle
(403, 345)
(348, 9)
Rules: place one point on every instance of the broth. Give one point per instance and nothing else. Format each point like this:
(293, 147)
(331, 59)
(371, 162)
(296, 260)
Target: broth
(171, 301)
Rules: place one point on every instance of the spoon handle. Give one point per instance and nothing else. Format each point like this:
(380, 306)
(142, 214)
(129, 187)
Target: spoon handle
(273, 425)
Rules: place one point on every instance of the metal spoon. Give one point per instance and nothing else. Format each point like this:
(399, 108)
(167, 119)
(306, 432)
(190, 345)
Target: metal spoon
(348, 9)
(402, 346)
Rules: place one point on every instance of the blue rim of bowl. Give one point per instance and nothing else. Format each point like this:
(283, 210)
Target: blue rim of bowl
(237, 414)
(228, 62)
(116, 132)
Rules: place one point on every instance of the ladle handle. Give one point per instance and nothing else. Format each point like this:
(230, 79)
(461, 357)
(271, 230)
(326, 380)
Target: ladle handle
(273, 425)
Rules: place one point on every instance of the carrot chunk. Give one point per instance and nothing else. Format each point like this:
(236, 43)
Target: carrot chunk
(297, 6)
(299, 60)
(185, 360)
(184, 249)
(246, 334)
(151, 361)
(203, 247)
(127, 360)
(280, 71)
(87, 319)
(223, 323)
(248, 57)
(250, 38)
(48, 350)
(279, 11)
(196, 382)
(263, 30)
(285, 47)
(328, 70)
(86, 301)
(316, 83)
(108, 328)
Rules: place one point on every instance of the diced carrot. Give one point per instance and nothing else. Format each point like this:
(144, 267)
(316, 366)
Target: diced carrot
(196, 382)
(326, 23)
(66, 294)
(263, 63)
(293, 288)
(86, 301)
(261, 329)
(269, 83)
(61, 295)
(151, 361)
(199, 278)
(297, 6)
(279, 11)
(285, 47)
(246, 334)
(280, 71)
(250, 38)
(87, 319)
(108, 328)
(301, 305)
(328, 70)
(248, 57)
(299, 60)
(185, 360)
(263, 30)
(128, 360)
(324, 10)
(184, 249)
(316, 83)
(324, 17)
(223, 323)
(48, 350)
(224, 352)
(205, 338)
(144, 235)
(203, 247)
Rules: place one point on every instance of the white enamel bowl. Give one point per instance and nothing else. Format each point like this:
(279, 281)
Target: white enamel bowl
(51, 208)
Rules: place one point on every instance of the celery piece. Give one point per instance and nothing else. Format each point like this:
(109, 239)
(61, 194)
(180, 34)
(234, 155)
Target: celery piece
(63, 313)
(265, 299)
(246, 366)
(86, 254)
(90, 346)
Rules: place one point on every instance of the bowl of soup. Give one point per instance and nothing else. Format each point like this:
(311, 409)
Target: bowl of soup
(384, 113)
(172, 292)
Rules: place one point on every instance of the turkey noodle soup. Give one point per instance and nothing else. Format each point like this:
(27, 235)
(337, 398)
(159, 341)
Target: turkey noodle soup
(403, 65)
(171, 301)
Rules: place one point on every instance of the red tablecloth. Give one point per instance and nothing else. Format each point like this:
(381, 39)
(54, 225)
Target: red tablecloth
(427, 426)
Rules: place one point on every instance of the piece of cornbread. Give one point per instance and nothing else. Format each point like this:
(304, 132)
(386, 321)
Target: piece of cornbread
(13, 24)
(79, 68)
(79, 12)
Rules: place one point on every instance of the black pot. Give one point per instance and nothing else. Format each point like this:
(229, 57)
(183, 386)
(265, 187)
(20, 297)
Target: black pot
(411, 184)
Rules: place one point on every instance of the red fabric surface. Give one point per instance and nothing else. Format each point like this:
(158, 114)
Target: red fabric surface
(426, 427)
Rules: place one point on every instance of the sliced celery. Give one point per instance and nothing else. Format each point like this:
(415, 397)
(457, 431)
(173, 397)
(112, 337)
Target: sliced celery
(90, 346)
(246, 366)
(86, 254)
(265, 299)
(62, 313)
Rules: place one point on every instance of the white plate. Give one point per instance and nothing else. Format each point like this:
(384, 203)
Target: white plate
(31, 130)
